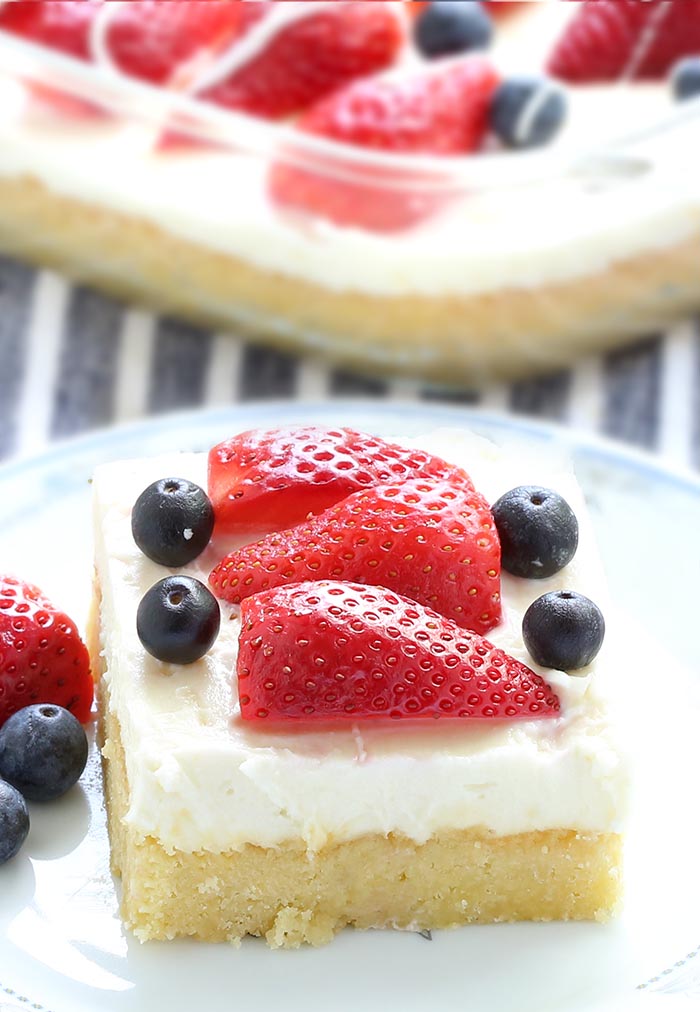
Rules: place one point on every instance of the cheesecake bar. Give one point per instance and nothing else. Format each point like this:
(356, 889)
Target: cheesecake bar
(222, 827)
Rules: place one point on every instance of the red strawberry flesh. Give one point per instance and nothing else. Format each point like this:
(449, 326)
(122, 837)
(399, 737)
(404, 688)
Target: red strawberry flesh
(432, 540)
(266, 480)
(442, 111)
(58, 24)
(608, 40)
(341, 652)
(42, 658)
(311, 57)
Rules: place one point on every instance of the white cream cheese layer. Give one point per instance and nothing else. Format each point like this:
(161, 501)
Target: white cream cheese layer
(201, 778)
(557, 227)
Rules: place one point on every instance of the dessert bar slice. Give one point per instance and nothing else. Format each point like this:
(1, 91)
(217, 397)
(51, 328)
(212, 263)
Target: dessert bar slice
(233, 813)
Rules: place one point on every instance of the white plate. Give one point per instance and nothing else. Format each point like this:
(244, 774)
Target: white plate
(62, 947)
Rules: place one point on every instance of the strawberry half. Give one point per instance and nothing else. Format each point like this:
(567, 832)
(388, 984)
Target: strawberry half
(63, 25)
(611, 39)
(58, 24)
(339, 651)
(42, 658)
(500, 8)
(267, 479)
(433, 540)
(170, 43)
(440, 111)
(311, 57)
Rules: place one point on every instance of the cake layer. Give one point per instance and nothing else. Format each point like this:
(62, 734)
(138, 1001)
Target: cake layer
(200, 778)
(291, 897)
(451, 338)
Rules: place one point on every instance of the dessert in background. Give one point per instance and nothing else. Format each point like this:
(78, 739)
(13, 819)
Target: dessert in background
(434, 188)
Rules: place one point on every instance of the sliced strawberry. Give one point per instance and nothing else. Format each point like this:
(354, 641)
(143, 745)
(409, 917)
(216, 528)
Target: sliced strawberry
(440, 111)
(611, 39)
(433, 540)
(311, 57)
(58, 24)
(340, 651)
(267, 479)
(42, 658)
(171, 43)
(494, 7)
(500, 8)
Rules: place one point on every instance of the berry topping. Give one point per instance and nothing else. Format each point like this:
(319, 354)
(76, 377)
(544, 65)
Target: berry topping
(563, 630)
(609, 40)
(685, 79)
(265, 480)
(429, 539)
(178, 620)
(172, 521)
(527, 112)
(439, 111)
(58, 24)
(452, 26)
(14, 821)
(167, 43)
(341, 651)
(538, 531)
(307, 57)
(42, 658)
(43, 751)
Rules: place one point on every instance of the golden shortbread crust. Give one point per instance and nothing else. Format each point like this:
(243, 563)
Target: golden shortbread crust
(455, 339)
(290, 895)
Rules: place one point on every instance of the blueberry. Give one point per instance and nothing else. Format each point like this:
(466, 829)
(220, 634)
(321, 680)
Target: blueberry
(172, 521)
(43, 751)
(538, 531)
(14, 821)
(527, 112)
(452, 26)
(685, 78)
(563, 630)
(178, 620)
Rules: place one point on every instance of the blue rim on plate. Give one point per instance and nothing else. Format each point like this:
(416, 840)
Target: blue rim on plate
(284, 412)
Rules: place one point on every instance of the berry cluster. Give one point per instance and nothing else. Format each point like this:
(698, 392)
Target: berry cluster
(46, 690)
(374, 605)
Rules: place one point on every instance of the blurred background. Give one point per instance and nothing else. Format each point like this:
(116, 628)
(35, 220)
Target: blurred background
(539, 183)
(74, 360)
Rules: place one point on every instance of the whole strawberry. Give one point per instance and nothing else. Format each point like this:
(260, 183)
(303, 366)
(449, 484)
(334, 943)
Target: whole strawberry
(440, 111)
(339, 651)
(432, 540)
(608, 40)
(267, 479)
(42, 658)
